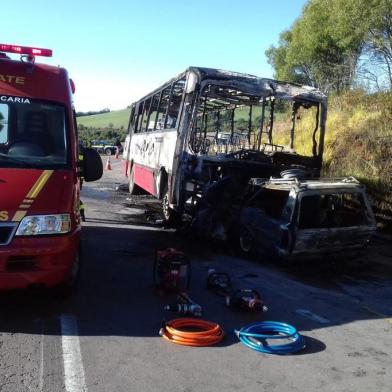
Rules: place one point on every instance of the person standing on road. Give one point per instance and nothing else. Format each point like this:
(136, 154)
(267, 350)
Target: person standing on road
(118, 146)
(81, 211)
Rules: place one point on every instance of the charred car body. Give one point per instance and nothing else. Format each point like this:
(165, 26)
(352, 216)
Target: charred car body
(228, 128)
(289, 217)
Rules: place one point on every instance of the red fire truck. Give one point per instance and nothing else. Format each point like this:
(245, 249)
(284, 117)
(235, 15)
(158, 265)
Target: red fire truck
(40, 174)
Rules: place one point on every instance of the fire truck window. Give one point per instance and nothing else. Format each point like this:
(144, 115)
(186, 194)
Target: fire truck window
(33, 133)
(3, 124)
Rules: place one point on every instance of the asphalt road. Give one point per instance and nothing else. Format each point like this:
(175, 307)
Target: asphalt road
(105, 338)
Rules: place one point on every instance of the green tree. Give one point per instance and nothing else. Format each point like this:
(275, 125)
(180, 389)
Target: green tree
(278, 57)
(379, 38)
(323, 46)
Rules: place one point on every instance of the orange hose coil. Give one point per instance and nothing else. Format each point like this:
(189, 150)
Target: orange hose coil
(207, 333)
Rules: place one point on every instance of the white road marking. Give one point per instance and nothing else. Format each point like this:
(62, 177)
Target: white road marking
(312, 316)
(41, 370)
(73, 365)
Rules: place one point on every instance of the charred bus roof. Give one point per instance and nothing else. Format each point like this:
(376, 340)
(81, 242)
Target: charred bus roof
(253, 85)
(263, 87)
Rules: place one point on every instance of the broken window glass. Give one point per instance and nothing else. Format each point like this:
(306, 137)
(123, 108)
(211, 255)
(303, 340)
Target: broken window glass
(175, 104)
(163, 108)
(146, 109)
(332, 210)
(153, 112)
(270, 202)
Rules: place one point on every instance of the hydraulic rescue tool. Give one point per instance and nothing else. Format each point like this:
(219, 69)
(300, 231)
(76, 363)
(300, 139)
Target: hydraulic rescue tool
(172, 275)
(172, 270)
(246, 299)
(241, 299)
(185, 306)
(219, 282)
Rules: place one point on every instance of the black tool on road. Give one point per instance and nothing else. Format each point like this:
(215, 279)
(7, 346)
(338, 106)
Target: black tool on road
(246, 299)
(219, 282)
(242, 299)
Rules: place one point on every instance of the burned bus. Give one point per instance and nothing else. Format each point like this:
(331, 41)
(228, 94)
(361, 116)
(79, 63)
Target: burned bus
(207, 125)
(202, 139)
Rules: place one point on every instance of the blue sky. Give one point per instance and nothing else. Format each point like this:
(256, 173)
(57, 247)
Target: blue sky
(117, 51)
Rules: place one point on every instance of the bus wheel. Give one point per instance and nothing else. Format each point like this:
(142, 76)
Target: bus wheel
(133, 188)
(169, 215)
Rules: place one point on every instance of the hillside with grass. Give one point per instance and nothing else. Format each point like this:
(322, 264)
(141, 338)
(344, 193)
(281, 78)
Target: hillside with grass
(358, 143)
(105, 126)
(117, 119)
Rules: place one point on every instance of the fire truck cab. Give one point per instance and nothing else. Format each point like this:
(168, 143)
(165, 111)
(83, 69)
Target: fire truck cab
(40, 173)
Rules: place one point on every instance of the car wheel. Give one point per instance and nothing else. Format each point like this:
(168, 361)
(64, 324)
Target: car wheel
(246, 240)
(108, 151)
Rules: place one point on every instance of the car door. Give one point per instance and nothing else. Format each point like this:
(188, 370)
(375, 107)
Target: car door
(262, 216)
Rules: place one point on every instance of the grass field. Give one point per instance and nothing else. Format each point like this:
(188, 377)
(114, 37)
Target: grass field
(116, 119)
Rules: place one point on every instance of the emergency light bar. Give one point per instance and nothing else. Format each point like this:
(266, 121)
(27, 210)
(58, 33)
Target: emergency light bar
(25, 50)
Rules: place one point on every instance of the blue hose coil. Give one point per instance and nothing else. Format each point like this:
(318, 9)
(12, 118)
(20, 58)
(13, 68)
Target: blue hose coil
(256, 337)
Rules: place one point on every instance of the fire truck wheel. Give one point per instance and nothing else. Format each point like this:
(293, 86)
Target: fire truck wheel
(133, 188)
(246, 240)
(66, 288)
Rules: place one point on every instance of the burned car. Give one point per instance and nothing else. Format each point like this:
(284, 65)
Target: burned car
(292, 218)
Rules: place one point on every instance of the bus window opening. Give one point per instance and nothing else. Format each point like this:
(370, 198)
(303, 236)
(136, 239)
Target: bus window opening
(229, 120)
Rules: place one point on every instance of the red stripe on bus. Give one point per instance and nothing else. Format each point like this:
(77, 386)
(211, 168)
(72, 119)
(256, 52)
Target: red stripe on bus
(145, 178)
(124, 167)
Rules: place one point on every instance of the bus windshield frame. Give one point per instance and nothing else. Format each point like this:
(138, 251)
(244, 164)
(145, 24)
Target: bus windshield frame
(217, 128)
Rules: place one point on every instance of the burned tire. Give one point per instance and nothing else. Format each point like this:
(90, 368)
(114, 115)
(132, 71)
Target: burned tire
(246, 241)
(166, 210)
(133, 188)
(169, 215)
